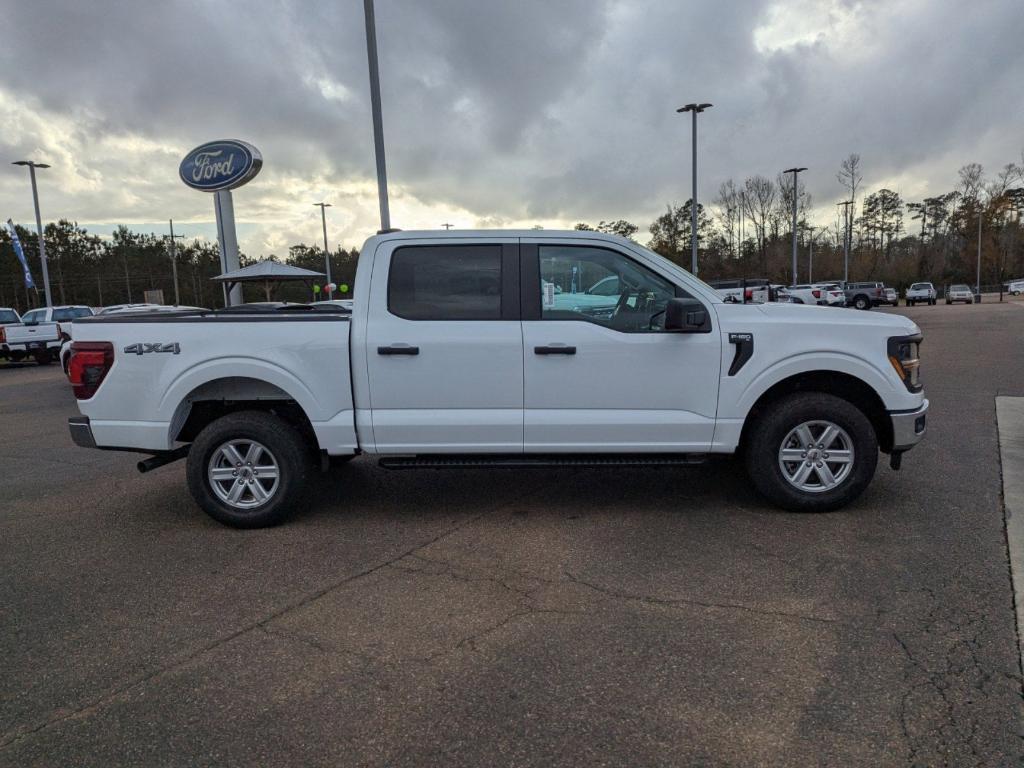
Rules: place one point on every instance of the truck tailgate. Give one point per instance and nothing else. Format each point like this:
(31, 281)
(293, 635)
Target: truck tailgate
(27, 334)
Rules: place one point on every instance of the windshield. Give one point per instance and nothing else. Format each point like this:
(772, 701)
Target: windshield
(9, 316)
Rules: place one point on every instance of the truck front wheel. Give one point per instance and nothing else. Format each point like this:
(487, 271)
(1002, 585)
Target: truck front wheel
(811, 452)
(248, 469)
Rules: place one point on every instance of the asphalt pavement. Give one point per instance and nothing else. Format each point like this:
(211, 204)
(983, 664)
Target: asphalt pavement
(537, 618)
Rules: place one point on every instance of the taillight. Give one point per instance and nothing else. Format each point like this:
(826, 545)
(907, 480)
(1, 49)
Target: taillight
(3, 335)
(817, 294)
(90, 361)
(748, 294)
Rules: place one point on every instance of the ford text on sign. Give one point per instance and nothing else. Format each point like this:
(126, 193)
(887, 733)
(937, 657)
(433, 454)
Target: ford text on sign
(220, 165)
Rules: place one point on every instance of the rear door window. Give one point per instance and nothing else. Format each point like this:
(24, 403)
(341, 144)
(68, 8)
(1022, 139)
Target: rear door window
(446, 282)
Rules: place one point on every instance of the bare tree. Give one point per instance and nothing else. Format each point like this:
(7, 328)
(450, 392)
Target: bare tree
(728, 203)
(759, 199)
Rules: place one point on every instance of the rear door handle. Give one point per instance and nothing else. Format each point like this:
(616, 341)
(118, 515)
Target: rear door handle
(554, 349)
(398, 349)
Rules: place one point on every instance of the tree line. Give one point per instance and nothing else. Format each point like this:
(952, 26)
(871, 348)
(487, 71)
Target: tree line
(748, 231)
(87, 269)
(745, 232)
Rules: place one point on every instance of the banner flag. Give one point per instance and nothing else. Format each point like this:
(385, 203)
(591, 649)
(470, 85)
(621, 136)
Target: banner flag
(20, 254)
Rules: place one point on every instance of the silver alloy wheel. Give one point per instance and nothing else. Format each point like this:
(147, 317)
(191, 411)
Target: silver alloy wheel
(243, 474)
(816, 456)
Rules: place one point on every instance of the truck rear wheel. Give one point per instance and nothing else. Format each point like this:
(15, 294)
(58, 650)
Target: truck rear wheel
(811, 452)
(248, 469)
(862, 302)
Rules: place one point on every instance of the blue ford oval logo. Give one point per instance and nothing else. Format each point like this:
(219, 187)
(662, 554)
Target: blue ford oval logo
(220, 165)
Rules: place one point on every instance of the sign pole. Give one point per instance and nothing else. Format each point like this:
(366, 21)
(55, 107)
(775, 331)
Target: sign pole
(228, 242)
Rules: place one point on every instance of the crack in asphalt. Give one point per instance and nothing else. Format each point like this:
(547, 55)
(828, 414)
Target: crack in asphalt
(650, 599)
(955, 738)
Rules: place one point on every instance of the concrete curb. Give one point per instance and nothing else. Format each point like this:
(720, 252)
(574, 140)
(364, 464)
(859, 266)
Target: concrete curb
(1010, 418)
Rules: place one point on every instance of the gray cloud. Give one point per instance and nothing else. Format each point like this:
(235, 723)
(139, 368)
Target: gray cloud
(499, 111)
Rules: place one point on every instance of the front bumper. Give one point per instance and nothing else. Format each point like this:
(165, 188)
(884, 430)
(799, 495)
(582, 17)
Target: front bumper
(908, 427)
(81, 431)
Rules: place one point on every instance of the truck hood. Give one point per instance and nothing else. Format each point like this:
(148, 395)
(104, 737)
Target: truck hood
(807, 314)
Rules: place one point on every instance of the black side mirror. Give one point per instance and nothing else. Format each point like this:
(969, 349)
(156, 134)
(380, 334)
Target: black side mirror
(686, 316)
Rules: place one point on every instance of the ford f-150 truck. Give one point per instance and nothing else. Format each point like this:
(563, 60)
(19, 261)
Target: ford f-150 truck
(458, 352)
(20, 338)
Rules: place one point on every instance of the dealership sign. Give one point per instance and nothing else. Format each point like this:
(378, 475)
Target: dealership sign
(220, 165)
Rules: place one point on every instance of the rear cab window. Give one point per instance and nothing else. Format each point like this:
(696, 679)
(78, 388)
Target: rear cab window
(446, 282)
(70, 313)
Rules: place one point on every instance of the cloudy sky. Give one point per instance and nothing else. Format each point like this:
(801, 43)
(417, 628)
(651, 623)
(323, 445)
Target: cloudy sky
(496, 112)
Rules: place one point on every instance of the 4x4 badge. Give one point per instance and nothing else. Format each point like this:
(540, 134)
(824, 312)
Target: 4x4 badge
(141, 349)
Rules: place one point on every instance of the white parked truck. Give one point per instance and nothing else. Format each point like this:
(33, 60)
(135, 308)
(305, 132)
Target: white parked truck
(455, 354)
(20, 338)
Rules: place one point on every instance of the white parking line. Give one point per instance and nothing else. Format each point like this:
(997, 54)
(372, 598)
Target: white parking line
(1010, 417)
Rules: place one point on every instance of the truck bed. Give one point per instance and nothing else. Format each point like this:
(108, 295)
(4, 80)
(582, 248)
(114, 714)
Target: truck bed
(165, 362)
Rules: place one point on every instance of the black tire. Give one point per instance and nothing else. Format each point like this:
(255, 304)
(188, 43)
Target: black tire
(862, 302)
(43, 358)
(289, 450)
(910, 303)
(771, 428)
(932, 302)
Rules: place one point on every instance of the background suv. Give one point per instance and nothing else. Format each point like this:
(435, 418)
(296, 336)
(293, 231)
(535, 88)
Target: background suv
(959, 292)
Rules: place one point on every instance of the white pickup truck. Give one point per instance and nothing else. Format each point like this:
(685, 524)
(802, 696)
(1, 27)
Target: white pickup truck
(456, 353)
(21, 338)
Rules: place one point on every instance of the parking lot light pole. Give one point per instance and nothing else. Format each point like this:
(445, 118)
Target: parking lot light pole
(794, 171)
(174, 260)
(846, 239)
(695, 109)
(39, 225)
(378, 127)
(327, 255)
(977, 286)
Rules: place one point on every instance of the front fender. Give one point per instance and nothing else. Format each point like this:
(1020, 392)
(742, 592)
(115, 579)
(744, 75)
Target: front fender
(738, 397)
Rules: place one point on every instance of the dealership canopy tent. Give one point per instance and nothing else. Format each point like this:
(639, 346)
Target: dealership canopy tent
(267, 272)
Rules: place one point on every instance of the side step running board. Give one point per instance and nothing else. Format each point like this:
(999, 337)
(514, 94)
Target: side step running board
(516, 461)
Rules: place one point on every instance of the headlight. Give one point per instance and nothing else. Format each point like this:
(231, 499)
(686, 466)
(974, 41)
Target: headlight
(904, 355)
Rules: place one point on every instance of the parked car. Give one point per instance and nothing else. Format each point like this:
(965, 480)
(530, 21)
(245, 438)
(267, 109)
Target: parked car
(453, 357)
(743, 291)
(959, 292)
(122, 307)
(1015, 287)
(921, 293)
(890, 297)
(817, 293)
(63, 315)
